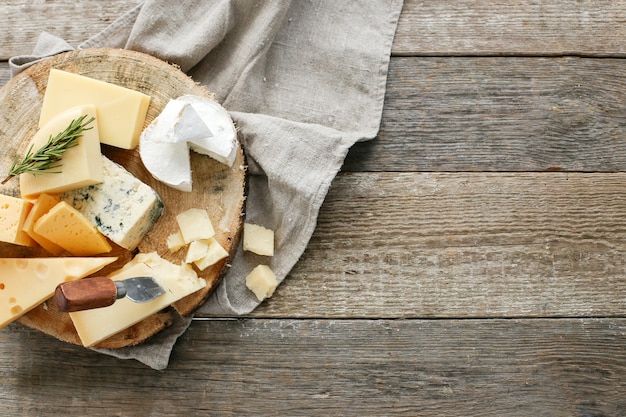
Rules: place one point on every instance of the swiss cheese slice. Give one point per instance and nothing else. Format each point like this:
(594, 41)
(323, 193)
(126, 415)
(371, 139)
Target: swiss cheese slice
(98, 324)
(121, 111)
(80, 166)
(13, 214)
(27, 282)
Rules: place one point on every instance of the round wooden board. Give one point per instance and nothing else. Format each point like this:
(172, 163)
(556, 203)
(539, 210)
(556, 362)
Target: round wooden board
(217, 188)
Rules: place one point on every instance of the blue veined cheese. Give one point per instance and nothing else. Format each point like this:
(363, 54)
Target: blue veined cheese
(122, 207)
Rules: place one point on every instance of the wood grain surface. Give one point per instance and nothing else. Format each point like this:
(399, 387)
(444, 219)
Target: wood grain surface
(493, 285)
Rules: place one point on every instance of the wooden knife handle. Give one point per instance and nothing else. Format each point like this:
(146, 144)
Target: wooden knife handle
(85, 294)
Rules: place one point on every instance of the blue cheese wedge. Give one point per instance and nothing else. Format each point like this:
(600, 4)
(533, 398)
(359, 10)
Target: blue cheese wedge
(123, 208)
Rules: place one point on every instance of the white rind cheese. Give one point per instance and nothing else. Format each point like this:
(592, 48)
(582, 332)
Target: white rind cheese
(123, 208)
(187, 123)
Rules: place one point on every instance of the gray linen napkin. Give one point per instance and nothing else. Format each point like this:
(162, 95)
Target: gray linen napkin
(303, 80)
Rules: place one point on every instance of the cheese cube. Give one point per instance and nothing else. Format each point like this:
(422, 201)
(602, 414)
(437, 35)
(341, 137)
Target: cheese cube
(13, 214)
(175, 241)
(43, 205)
(121, 111)
(258, 239)
(123, 208)
(195, 224)
(80, 166)
(262, 282)
(98, 324)
(27, 282)
(65, 226)
(212, 253)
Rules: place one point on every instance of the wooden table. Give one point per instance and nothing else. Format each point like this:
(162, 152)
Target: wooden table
(471, 260)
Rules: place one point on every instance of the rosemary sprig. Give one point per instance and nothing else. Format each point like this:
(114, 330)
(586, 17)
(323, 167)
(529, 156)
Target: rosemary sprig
(49, 155)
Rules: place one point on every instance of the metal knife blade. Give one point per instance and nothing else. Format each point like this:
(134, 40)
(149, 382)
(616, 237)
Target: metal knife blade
(97, 292)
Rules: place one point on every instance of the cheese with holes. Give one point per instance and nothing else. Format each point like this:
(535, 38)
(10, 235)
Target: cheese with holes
(212, 252)
(122, 207)
(27, 282)
(258, 239)
(179, 281)
(13, 214)
(195, 224)
(262, 282)
(121, 111)
(68, 228)
(187, 123)
(79, 166)
(43, 205)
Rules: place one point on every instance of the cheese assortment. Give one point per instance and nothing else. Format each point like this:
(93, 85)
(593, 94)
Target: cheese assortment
(123, 208)
(98, 324)
(27, 282)
(81, 165)
(87, 203)
(121, 111)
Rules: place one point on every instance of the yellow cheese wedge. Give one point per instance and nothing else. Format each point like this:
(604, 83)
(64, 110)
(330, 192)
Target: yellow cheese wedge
(43, 205)
(27, 282)
(80, 166)
(195, 224)
(211, 252)
(98, 324)
(68, 228)
(121, 111)
(13, 213)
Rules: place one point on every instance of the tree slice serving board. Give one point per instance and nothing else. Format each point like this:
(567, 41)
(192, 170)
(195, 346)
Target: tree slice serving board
(217, 188)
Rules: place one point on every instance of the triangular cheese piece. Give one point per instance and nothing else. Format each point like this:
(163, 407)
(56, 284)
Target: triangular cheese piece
(27, 282)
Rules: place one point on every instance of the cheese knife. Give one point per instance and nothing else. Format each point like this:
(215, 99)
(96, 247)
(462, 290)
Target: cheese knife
(97, 292)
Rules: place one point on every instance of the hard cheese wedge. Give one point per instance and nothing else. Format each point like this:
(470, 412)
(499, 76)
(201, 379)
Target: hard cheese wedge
(13, 214)
(27, 282)
(121, 111)
(123, 208)
(43, 205)
(80, 166)
(98, 324)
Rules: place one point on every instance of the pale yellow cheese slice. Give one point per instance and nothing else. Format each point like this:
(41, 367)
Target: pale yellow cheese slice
(98, 324)
(262, 282)
(68, 228)
(27, 282)
(13, 214)
(121, 111)
(80, 166)
(258, 239)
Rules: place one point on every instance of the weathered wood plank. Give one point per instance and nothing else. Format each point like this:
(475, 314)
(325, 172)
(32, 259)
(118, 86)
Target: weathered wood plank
(74, 21)
(504, 27)
(464, 27)
(500, 114)
(333, 367)
(463, 245)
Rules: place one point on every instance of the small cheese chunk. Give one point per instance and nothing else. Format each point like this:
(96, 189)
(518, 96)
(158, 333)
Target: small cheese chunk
(262, 282)
(196, 250)
(123, 208)
(195, 224)
(187, 123)
(66, 227)
(27, 282)
(80, 166)
(121, 111)
(43, 205)
(13, 214)
(98, 324)
(175, 241)
(258, 239)
(213, 253)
